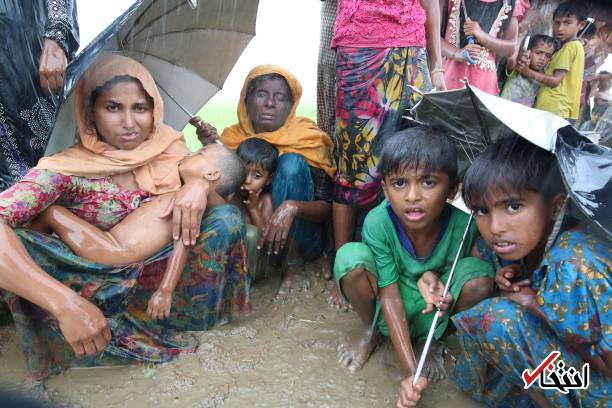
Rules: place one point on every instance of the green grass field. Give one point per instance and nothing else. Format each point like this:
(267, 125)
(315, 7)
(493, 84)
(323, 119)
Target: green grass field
(222, 115)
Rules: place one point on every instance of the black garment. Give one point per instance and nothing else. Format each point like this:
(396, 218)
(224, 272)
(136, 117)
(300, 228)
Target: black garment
(323, 184)
(486, 14)
(27, 115)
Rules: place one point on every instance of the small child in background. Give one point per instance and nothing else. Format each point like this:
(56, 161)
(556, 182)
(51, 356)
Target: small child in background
(598, 110)
(561, 82)
(409, 243)
(522, 89)
(255, 200)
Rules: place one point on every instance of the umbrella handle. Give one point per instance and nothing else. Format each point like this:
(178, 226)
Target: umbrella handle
(466, 55)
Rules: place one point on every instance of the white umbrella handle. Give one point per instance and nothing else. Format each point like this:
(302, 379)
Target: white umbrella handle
(432, 329)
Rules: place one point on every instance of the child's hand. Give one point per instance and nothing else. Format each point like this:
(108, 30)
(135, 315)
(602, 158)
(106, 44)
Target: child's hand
(409, 395)
(159, 305)
(431, 289)
(473, 50)
(252, 201)
(505, 275)
(207, 133)
(524, 297)
(471, 27)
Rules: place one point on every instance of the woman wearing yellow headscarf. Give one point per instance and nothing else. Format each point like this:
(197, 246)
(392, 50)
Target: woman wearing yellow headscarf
(302, 184)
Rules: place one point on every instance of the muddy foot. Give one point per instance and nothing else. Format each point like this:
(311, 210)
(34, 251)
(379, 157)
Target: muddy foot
(353, 355)
(434, 364)
(323, 266)
(336, 301)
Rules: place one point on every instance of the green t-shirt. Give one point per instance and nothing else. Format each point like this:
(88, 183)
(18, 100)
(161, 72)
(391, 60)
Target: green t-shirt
(564, 100)
(394, 264)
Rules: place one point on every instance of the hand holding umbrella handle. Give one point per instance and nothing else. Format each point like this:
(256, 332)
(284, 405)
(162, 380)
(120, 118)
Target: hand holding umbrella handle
(466, 55)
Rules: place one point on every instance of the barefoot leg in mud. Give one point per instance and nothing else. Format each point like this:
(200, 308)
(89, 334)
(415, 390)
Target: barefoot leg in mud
(293, 277)
(434, 363)
(361, 289)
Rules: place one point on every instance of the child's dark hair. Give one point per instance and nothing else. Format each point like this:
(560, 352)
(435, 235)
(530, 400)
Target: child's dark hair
(420, 147)
(511, 165)
(545, 39)
(258, 152)
(574, 8)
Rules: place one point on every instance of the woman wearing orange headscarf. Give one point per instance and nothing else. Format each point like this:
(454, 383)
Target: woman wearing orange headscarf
(124, 156)
(302, 184)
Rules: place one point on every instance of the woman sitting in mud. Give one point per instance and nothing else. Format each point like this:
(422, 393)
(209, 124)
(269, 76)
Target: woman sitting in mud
(125, 156)
(302, 183)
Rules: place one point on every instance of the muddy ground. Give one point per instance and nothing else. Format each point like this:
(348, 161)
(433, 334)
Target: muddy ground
(283, 355)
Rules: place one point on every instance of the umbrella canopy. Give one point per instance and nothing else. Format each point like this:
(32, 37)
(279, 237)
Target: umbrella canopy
(475, 119)
(188, 46)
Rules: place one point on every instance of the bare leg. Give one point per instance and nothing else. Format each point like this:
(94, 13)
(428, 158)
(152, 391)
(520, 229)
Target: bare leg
(473, 292)
(343, 216)
(293, 277)
(84, 239)
(433, 368)
(361, 289)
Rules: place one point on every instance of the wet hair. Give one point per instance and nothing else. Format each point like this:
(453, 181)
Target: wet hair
(544, 39)
(233, 173)
(420, 147)
(258, 80)
(573, 8)
(512, 165)
(108, 85)
(258, 152)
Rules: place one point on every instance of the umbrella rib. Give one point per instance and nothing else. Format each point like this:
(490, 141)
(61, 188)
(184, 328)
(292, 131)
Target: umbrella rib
(151, 22)
(193, 30)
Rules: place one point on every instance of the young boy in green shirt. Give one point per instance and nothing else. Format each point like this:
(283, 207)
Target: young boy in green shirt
(561, 82)
(409, 244)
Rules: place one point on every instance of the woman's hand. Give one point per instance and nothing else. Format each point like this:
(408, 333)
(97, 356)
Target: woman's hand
(431, 289)
(277, 230)
(473, 50)
(159, 305)
(187, 207)
(206, 132)
(84, 326)
(408, 394)
(471, 27)
(52, 67)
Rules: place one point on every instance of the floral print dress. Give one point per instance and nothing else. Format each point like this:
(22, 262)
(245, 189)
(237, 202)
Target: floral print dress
(500, 338)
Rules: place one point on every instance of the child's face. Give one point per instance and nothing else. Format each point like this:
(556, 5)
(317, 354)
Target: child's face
(595, 118)
(514, 225)
(540, 56)
(566, 28)
(257, 178)
(418, 197)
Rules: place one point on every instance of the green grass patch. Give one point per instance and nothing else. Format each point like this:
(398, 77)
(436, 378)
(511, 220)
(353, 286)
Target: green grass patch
(222, 115)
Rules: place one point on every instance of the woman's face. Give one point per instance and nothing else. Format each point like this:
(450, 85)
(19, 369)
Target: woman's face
(123, 115)
(269, 104)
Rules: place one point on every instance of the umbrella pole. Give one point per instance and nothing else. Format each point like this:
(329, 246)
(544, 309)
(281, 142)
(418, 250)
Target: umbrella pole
(184, 109)
(432, 329)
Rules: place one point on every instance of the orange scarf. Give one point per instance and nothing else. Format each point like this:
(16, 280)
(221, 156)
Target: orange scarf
(154, 163)
(297, 135)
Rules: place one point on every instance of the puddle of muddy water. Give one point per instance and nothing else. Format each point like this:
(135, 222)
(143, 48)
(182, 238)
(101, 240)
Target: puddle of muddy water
(283, 355)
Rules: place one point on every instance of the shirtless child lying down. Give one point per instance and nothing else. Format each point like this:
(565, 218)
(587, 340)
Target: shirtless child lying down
(143, 233)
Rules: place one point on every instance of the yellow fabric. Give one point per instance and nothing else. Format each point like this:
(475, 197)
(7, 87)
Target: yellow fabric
(297, 135)
(564, 100)
(154, 163)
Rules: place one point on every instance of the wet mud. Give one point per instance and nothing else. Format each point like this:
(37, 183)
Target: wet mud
(283, 355)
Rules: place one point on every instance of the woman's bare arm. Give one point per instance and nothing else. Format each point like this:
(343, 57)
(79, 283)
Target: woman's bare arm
(82, 324)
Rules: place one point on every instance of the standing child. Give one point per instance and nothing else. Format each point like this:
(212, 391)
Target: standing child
(260, 158)
(409, 243)
(561, 82)
(555, 300)
(522, 89)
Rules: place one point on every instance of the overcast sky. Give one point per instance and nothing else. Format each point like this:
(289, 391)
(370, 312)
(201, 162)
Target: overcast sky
(287, 35)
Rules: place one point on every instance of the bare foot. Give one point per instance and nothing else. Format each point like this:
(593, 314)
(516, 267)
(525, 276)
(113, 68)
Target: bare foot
(434, 363)
(294, 279)
(336, 301)
(354, 354)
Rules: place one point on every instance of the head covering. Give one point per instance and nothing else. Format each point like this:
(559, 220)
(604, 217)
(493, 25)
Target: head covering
(154, 163)
(297, 135)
